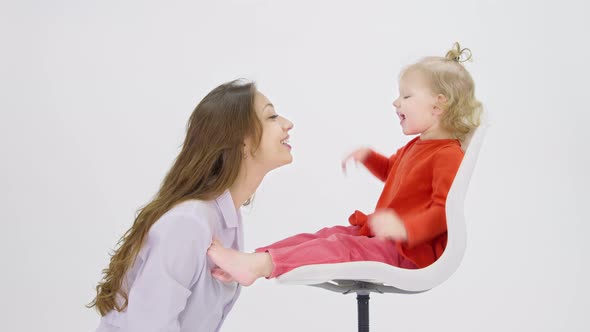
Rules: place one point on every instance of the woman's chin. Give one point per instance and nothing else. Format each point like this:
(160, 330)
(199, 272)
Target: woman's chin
(285, 161)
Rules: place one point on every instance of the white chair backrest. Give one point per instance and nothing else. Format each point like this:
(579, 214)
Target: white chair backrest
(450, 260)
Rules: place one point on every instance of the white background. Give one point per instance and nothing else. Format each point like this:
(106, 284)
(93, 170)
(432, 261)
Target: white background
(95, 95)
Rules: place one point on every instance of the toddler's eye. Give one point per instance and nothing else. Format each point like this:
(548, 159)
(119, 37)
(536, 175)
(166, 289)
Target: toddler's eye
(406, 97)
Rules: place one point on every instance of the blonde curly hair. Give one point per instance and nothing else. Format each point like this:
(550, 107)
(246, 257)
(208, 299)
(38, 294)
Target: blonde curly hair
(447, 76)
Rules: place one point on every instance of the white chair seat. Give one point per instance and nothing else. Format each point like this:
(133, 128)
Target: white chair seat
(395, 280)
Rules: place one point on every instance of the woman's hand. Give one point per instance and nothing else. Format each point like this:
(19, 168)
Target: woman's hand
(387, 224)
(221, 275)
(358, 155)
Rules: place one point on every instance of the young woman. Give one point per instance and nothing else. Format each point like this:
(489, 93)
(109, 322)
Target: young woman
(159, 278)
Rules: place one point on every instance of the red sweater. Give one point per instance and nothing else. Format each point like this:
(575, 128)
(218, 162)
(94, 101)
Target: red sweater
(417, 180)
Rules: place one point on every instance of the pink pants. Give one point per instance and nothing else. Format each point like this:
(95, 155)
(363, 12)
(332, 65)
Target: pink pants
(332, 245)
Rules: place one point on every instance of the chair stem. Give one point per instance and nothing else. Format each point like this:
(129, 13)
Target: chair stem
(363, 312)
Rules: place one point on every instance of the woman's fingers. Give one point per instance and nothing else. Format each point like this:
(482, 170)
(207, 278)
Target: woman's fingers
(221, 275)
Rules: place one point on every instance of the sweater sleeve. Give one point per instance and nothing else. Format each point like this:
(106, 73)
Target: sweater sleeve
(379, 165)
(430, 223)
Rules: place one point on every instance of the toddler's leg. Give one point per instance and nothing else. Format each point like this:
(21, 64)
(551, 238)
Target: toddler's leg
(337, 248)
(304, 237)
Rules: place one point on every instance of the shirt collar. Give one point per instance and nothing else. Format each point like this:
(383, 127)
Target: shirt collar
(225, 203)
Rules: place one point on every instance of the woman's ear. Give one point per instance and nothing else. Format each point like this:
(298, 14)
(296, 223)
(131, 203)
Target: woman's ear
(441, 101)
(246, 147)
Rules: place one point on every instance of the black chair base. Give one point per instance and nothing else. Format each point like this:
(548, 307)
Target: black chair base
(362, 289)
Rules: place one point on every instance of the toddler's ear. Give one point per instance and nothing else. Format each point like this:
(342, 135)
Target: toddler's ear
(441, 101)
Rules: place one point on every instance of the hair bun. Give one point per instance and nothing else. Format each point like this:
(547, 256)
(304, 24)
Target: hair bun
(458, 54)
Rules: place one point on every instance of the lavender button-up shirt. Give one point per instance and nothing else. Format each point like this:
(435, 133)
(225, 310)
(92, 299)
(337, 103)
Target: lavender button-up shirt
(170, 285)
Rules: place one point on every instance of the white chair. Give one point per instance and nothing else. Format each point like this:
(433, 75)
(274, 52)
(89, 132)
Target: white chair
(365, 277)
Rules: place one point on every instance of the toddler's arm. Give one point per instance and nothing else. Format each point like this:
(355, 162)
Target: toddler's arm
(376, 163)
(431, 222)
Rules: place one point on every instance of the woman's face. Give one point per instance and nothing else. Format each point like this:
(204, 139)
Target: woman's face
(274, 150)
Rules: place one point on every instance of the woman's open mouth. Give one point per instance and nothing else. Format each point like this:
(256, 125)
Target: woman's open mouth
(285, 142)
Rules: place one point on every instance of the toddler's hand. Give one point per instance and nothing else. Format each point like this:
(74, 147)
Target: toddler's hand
(387, 224)
(358, 155)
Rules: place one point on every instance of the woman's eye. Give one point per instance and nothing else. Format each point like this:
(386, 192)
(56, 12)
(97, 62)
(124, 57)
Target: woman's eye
(274, 116)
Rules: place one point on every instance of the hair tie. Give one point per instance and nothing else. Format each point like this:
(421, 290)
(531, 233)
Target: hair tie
(459, 54)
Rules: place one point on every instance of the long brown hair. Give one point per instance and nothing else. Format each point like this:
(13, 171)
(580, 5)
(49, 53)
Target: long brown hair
(206, 166)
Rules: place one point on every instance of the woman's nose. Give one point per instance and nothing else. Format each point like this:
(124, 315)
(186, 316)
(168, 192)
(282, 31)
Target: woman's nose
(288, 125)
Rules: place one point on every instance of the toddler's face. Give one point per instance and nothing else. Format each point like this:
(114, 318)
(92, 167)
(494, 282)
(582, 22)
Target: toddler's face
(416, 105)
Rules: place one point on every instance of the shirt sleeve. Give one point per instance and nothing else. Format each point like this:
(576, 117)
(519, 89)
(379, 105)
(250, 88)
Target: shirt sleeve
(177, 253)
(379, 165)
(432, 222)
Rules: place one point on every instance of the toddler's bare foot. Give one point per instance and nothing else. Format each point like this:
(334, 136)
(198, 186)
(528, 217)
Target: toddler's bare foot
(241, 267)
